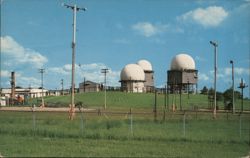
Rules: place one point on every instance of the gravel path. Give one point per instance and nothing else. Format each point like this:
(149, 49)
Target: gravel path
(40, 109)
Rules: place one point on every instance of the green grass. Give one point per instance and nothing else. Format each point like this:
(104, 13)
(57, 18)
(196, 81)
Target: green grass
(121, 100)
(109, 135)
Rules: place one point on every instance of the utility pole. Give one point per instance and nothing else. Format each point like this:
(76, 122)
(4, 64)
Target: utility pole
(242, 86)
(215, 74)
(62, 86)
(41, 71)
(105, 71)
(231, 62)
(72, 106)
(13, 85)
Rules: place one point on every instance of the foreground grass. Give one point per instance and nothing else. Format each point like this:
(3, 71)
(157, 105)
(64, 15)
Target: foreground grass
(106, 135)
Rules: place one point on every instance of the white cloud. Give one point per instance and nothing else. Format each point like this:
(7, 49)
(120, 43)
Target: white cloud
(91, 72)
(198, 58)
(147, 29)
(211, 16)
(203, 77)
(5, 73)
(24, 81)
(20, 55)
(237, 71)
(21, 79)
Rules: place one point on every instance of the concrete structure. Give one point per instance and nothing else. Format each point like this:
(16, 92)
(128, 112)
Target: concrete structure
(149, 75)
(132, 78)
(89, 86)
(182, 74)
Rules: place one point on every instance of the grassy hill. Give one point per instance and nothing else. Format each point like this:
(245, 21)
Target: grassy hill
(121, 100)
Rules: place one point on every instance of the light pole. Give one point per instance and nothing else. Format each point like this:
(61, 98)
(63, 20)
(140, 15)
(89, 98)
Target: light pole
(232, 62)
(72, 106)
(105, 71)
(215, 74)
(42, 71)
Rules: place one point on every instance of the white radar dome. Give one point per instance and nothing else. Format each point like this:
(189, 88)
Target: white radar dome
(182, 62)
(146, 65)
(132, 72)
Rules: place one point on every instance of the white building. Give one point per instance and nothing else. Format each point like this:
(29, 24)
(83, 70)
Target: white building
(24, 92)
(149, 75)
(132, 78)
(182, 74)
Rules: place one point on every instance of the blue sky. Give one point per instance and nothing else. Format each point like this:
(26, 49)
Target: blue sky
(112, 33)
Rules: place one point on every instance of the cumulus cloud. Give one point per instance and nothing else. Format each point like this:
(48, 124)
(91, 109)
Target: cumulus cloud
(203, 77)
(21, 79)
(211, 16)
(20, 55)
(5, 73)
(237, 71)
(147, 29)
(91, 72)
(28, 81)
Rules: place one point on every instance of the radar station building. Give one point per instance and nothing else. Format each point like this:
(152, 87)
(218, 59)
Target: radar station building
(182, 74)
(149, 75)
(132, 78)
(137, 78)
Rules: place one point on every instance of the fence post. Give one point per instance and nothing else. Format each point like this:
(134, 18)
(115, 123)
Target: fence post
(240, 125)
(80, 109)
(131, 121)
(34, 117)
(184, 124)
(155, 107)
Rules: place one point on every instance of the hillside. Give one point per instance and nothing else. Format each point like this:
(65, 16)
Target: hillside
(120, 100)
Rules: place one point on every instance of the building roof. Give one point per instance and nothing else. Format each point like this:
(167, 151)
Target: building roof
(182, 62)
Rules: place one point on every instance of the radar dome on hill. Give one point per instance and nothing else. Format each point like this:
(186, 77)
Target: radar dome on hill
(182, 62)
(146, 65)
(132, 72)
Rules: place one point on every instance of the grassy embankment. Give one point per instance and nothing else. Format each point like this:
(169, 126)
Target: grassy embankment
(120, 100)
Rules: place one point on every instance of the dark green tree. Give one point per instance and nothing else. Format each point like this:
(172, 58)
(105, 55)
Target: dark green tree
(204, 90)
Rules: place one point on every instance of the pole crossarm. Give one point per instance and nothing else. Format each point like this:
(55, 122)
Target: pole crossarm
(73, 6)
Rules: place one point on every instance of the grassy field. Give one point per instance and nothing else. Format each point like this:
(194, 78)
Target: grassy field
(46, 134)
(28, 134)
(120, 100)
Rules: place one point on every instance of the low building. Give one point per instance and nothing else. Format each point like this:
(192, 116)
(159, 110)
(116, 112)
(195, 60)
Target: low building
(25, 92)
(89, 86)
